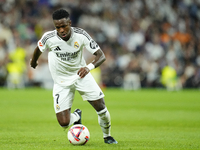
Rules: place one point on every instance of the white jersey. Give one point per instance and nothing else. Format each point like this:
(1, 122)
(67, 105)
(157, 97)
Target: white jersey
(66, 57)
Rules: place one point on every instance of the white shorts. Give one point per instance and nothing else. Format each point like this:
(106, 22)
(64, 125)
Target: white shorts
(64, 96)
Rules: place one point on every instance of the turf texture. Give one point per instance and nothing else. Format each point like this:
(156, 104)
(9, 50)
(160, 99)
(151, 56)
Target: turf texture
(147, 119)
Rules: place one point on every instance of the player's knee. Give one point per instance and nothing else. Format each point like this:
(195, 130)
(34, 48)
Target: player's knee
(63, 118)
(64, 122)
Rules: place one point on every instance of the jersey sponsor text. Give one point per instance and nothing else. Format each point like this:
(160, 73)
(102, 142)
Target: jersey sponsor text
(67, 56)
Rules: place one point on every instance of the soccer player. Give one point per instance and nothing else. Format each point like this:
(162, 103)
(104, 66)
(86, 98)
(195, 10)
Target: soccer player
(70, 72)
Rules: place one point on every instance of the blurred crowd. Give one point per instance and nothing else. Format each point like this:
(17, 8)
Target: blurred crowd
(147, 43)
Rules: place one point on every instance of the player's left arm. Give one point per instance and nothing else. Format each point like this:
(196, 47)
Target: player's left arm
(98, 60)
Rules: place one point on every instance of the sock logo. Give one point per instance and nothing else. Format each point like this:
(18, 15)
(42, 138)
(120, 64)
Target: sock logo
(107, 123)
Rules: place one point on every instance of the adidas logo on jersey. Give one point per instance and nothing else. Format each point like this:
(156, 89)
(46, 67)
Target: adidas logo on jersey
(57, 48)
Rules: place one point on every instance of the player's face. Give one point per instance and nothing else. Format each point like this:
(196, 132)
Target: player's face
(63, 27)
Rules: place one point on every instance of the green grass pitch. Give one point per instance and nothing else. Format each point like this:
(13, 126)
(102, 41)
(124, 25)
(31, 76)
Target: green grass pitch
(148, 119)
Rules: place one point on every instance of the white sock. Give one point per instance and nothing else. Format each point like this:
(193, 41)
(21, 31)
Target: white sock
(73, 118)
(104, 121)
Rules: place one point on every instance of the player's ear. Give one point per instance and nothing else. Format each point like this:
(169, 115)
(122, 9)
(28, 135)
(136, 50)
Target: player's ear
(70, 22)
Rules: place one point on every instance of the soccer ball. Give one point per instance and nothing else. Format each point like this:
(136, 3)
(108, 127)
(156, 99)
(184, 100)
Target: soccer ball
(78, 134)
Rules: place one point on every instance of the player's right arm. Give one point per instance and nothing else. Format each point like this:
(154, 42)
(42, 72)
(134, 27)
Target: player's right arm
(36, 55)
(41, 47)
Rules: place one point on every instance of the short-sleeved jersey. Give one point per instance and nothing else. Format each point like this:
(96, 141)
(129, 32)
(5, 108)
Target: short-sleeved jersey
(65, 58)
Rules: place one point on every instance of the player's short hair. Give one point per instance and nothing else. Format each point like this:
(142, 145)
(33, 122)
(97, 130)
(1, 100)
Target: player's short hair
(59, 14)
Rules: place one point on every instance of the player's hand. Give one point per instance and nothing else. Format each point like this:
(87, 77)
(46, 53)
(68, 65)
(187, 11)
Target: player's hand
(33, 64)
(83, 72)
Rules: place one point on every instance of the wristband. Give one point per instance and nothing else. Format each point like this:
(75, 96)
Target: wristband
(90, 66)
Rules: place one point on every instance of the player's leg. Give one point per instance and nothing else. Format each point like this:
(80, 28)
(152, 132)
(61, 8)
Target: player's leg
(63, 99)
(66, 118)
(103, 119)
(103, 116)
(90, 91)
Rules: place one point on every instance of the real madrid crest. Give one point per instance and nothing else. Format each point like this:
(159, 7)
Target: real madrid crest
(76, 45)
(57, 107)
